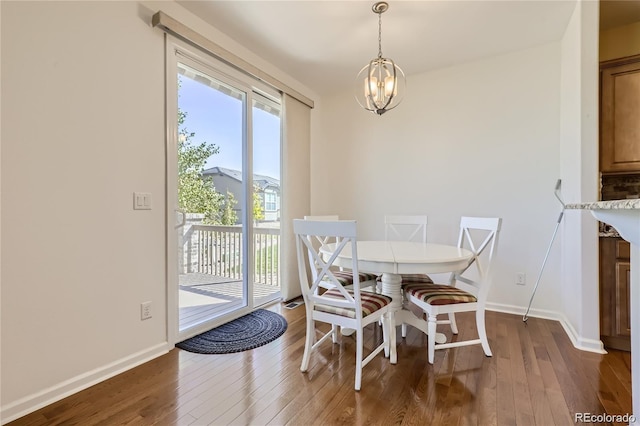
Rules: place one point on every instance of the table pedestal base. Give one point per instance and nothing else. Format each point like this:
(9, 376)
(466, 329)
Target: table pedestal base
(392, 287)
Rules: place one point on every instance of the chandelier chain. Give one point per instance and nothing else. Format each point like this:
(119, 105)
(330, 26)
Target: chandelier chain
(379, 34)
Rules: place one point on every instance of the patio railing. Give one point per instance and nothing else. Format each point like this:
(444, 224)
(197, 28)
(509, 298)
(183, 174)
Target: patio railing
(217, 250)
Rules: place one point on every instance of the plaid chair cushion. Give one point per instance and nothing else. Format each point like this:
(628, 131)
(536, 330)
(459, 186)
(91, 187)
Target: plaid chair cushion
(413, 278)
(416, 278)
(439, 294)
(346, 277)
(371, 302)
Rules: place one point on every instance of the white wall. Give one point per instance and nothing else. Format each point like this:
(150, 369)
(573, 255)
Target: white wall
(579, 159)
(481, 139)
(485, 138)
(83, 128)
(83, 108)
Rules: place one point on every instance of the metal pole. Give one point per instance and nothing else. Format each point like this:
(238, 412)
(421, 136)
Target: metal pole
(553, 237)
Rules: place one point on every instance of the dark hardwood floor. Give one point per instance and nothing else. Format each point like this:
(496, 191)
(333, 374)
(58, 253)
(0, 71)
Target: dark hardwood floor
(535, 377)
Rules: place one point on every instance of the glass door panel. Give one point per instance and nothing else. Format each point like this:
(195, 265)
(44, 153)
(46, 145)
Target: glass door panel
(211, 141)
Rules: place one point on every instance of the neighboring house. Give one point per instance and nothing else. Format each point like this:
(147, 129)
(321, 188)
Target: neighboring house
(231, 180)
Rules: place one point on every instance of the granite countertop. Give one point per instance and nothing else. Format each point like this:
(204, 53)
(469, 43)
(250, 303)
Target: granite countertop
(630, 204)
(609, 234)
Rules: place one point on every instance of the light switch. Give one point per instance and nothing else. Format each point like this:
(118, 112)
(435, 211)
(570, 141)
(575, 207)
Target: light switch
(142, 201)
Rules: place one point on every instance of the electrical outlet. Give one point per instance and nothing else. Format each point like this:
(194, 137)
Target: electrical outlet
(521, 278)
(145, 310)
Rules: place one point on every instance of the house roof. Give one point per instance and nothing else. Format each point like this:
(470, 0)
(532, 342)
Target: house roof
(262, 181)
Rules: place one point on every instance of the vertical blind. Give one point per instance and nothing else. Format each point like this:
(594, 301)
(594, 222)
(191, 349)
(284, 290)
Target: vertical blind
(296, 200)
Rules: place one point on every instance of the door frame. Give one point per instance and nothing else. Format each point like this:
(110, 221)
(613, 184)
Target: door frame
(249, 85)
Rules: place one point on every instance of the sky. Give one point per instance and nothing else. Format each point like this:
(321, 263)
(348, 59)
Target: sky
(216, 118)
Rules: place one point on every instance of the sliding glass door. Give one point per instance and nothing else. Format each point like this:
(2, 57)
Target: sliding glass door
(223, 168)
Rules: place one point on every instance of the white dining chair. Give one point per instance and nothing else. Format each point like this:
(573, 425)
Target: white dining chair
(348, 308)
(407, 228)
(367, 280)
(466, 291)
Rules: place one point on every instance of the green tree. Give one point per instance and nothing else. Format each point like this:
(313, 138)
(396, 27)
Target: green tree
(196, 193)
(228, 215)
(258, 211)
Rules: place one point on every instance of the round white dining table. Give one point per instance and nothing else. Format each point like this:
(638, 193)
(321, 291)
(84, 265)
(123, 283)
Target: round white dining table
(393, 258)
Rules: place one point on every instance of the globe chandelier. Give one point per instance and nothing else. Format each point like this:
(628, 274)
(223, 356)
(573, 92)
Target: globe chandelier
(380, 85)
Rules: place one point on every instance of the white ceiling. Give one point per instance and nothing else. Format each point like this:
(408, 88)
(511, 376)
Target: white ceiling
(323, 44)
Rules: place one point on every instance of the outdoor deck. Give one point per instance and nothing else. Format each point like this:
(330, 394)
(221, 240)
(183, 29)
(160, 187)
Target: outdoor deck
(202, 296)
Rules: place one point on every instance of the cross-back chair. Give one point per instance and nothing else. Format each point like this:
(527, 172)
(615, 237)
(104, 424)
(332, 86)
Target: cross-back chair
(339, 306)
(345, 276)
(466, 291)
(407, 228)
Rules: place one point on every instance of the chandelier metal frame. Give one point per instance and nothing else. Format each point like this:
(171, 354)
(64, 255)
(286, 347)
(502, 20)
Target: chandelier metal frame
(384, 81)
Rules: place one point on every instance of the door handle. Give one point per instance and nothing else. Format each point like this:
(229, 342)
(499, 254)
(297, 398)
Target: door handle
(184, 219)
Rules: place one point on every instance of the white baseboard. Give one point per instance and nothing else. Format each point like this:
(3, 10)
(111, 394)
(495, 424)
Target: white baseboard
(589, 345)
(519, 310)
(579, 342)
(31, 403)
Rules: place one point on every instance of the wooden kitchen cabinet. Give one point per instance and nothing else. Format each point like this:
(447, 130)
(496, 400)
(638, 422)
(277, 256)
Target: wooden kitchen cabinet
(619, 112)
(615, 286)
